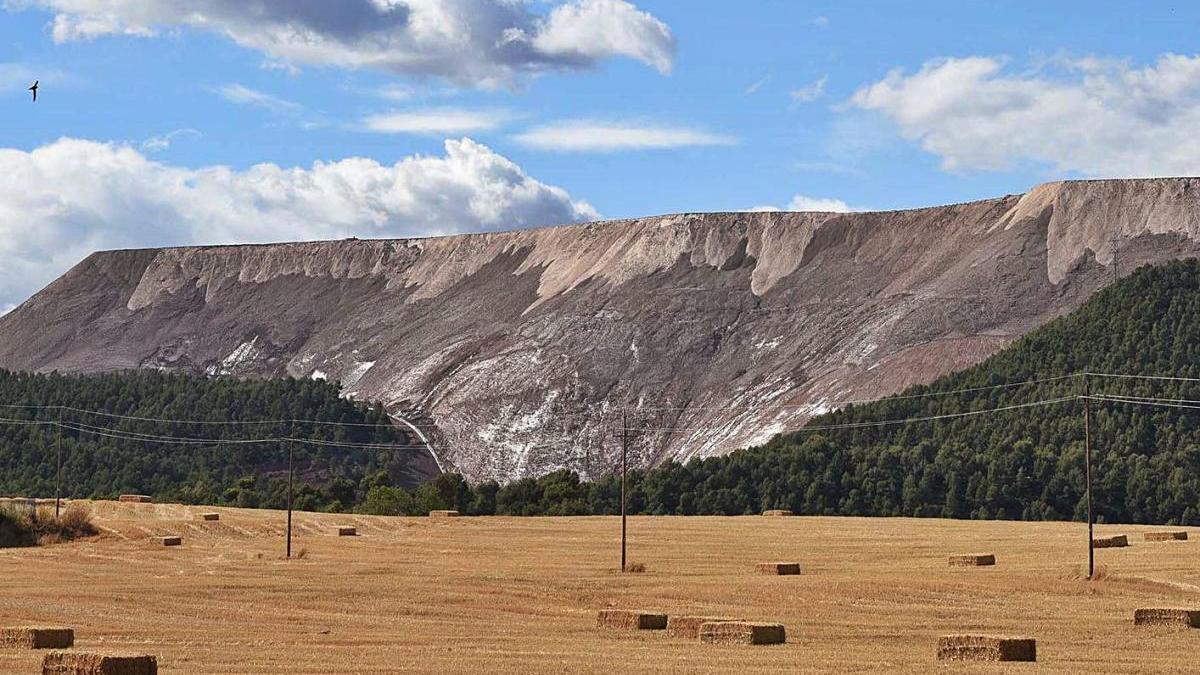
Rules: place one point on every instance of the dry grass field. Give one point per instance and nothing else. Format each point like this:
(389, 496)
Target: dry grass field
(521, 595)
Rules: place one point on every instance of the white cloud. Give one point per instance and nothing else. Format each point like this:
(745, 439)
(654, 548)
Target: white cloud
(85, 196)
(483, 43)
(436, 121)
(592, 136)
(758, 84)
(810, 92)
(803, 203)
(821, 22)
(162, 143)
(588, 29)
(236, 93)
(1091, 116)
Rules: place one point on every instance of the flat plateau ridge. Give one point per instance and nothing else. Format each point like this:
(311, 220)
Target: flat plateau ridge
(515, 351)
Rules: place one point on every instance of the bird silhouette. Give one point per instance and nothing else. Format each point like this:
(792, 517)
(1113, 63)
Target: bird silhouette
(34, 89)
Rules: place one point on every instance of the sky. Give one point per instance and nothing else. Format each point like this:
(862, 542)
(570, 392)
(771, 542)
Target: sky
(174, 122)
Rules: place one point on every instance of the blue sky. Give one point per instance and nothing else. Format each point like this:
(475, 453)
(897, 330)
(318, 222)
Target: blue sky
(600, 108)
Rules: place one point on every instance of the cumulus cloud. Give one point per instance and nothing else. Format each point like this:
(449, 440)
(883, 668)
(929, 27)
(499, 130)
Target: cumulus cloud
(64, 200)
(483, 43)
(803, 203)
(1097, 117)
(592, 136)
(436, 121)
(584, 30)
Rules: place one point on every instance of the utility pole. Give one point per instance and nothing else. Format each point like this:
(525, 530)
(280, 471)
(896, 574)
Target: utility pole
(624, 469)
(58, 473)
(291, 474)
(1087, 458)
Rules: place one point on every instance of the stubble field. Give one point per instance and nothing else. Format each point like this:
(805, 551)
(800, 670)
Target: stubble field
(521, 594)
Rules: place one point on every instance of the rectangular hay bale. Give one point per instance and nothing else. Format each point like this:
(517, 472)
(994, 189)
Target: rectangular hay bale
(172, 541)
(82, 663)
(779, 568)
(36, 638)
(444, 514)
(742, 633)
(631, 619)
(210, 516)
(1183, 618)
(347, 531)
(1171, 535)
(777, 512)
(688, 627)
(973, 560)
(1117, 541)
(137, 499)
(986, 648)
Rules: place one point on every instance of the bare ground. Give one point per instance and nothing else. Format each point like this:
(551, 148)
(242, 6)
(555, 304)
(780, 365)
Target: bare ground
(521, 595)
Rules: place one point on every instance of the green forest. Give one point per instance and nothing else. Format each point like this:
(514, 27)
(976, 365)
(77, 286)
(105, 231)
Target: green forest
(107, 450)
(1023, 463)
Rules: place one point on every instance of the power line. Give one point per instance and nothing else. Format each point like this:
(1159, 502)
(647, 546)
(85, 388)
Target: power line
(200, 422)
(908, 420)
(885, 399)
(1168, 378)
(119, 434)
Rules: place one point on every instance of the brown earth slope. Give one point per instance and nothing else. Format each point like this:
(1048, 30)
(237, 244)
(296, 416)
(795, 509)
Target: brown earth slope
(514, 350)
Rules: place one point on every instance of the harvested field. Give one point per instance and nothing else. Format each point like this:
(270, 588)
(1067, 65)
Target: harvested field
(1177, 535)
(36, 638)
(778, 568)
(1183, 618)
(986, 648)
(1115, 541)
(631, 619)
(742, 633)
(973, 560)
(688, 627)
(521, 595)
(83, 663)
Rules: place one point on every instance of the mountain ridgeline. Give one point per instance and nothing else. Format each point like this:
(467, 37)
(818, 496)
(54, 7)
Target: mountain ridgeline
(511, 350)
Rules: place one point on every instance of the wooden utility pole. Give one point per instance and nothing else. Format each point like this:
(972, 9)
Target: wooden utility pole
(291, 474)
(624, 469)
(58, 473)
(1087, 458)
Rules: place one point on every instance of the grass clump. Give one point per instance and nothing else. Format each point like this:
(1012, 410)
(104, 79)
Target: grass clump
(28, 528)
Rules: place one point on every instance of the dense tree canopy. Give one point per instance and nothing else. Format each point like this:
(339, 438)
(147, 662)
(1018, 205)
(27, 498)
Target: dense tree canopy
(115, 428)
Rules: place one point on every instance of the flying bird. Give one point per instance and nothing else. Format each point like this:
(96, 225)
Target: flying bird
(34, 90)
